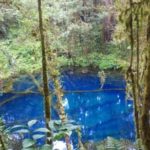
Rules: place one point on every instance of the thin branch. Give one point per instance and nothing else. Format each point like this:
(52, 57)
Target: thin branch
(35, 82)
(15, 96)
(99, 90)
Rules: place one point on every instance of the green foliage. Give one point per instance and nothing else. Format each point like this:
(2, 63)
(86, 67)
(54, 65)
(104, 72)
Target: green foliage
(82, 61)
(8, 18)
(30, 144)
(59, 130)
(104, 62)
(22, 58)
(4, 134)
(46, 147)
(63, 61)
(68, 28)
(107, 62)
(113, 144)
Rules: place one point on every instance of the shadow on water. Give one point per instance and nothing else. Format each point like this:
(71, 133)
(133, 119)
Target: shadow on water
(101, 114)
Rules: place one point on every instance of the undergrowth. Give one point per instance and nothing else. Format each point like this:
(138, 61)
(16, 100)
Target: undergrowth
(112, 144)
(102, 61)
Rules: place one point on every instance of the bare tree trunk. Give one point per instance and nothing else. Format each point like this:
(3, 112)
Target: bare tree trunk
(47, 102)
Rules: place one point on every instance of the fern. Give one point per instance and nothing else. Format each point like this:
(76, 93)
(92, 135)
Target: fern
(113, 144)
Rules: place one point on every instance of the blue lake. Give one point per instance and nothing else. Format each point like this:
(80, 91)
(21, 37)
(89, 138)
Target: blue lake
(104, 113)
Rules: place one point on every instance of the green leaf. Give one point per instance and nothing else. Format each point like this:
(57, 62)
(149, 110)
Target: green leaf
(51, 125)
(41, 130)
(70, 121)
(66, 127)
(57, 122)
(31, 123)
(37, 136)
(6, 131)
(2, 127)
(18, 126)
(22, 131)
(62, 133)
(46, 147)
(27, 143)
(28, 149)
(58, 136)
(101, 147)
(69, 127)
(68, 132)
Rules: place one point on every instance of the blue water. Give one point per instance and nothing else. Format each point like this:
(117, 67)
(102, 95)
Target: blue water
(101, 114)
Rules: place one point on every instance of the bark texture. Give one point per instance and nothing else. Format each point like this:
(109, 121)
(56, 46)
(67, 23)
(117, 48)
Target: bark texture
(47, 104)
(62, 115)
(58, 92)
(145, 126)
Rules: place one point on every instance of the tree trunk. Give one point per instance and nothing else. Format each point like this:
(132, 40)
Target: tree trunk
(47, 101)
(145, 126)
(59, 95)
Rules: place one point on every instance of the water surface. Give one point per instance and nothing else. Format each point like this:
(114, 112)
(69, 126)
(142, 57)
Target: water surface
(104, 113)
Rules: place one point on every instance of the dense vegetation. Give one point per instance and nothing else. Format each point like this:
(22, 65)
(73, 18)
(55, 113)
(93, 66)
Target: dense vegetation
(80, 34)
(47, 35)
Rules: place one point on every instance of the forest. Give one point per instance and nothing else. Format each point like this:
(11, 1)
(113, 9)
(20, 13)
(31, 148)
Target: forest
(74, 75)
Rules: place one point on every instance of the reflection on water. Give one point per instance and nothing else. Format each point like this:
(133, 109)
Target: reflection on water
(101, 114)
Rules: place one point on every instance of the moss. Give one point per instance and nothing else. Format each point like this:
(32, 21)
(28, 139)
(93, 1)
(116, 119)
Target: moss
(145, 126)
